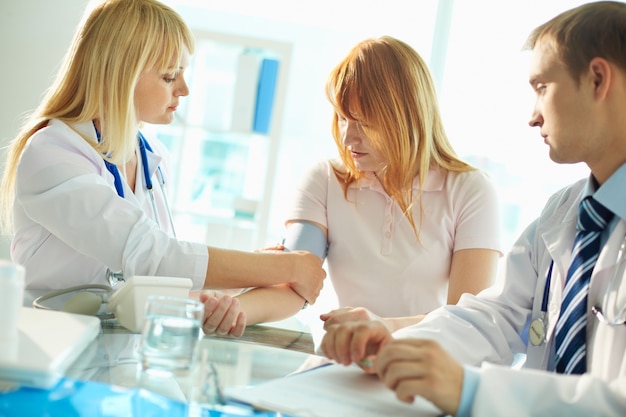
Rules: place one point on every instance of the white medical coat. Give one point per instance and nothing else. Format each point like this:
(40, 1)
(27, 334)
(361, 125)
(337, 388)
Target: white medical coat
(70, 224)
(489, 326)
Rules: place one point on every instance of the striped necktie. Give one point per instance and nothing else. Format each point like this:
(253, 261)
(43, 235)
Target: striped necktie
(571, 327)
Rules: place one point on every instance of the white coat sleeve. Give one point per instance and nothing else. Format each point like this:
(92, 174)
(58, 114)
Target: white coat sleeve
(62, 186)
(503, 391)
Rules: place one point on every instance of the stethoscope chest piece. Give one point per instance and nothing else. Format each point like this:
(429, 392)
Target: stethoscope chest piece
(538, 326)
(537, 331)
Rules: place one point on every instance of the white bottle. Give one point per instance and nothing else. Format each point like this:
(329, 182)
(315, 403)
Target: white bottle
(11, 299)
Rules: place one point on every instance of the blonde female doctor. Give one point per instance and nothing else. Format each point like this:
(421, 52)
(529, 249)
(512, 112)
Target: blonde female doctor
(83, 191)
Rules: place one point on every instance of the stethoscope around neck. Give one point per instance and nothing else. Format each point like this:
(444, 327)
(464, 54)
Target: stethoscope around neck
(116, 277)
(538, 326)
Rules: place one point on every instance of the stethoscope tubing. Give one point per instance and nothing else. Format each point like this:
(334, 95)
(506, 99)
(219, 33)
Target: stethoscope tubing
(538, 324)
(144, 147)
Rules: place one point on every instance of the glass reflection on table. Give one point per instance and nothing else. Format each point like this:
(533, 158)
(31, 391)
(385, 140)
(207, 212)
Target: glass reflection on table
(263, 353)
(112, 358)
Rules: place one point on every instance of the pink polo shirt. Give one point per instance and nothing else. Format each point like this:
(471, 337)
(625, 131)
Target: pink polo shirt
(374, 259)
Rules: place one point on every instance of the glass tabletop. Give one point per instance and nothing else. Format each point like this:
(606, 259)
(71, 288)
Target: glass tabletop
(264, 352)
(112, 357)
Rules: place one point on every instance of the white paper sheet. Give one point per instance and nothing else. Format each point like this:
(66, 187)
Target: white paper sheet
(331, 391)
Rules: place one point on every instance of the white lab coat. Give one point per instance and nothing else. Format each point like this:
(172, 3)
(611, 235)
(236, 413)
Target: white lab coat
(70, 224)
(485, 329)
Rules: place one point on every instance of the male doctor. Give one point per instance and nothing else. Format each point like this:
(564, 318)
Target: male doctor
(564, 277)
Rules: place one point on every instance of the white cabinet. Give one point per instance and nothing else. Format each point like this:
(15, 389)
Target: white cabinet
(224, 140)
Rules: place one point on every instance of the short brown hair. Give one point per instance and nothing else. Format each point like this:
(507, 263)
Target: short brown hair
(585, 32)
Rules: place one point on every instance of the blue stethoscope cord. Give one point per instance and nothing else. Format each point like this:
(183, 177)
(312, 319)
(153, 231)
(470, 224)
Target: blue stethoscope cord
(538, 326)
(144, 146)
(546, 290)
(114, 278)
(112, 168)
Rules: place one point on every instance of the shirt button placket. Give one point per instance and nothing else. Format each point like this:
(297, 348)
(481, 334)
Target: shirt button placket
(387, 228)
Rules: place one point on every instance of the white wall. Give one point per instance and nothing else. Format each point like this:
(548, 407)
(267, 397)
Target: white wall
(34, 36)
(32, 45)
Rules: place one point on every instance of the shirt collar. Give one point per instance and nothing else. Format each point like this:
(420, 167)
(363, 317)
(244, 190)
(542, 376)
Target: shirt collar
(153, 161)
(434, 181)
(86, 129)
(612, 194)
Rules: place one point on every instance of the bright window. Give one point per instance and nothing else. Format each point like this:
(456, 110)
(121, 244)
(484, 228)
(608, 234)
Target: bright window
(486, 103)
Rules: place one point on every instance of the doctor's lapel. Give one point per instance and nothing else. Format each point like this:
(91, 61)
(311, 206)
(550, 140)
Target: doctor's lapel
(607, 344)
(558, 234)
(607, 262)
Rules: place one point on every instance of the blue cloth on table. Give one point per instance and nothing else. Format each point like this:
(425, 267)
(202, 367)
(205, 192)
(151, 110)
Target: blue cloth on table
(70, 398)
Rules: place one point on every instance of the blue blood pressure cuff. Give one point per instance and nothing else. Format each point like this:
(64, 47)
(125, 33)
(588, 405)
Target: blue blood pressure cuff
(306, 236)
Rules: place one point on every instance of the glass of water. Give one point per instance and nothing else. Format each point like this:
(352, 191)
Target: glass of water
(170, 334)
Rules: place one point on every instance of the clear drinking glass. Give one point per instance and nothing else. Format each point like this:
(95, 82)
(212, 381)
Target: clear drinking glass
(170, 334)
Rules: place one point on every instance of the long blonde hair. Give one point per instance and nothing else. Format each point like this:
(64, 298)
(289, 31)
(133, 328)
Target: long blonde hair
(115, 43)
(389, 86)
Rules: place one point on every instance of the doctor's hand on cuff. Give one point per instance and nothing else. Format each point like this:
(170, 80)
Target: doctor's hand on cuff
(307, 275)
